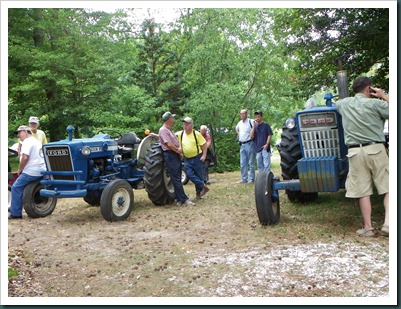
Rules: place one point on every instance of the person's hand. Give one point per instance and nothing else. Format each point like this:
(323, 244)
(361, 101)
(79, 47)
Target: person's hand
(379, 93)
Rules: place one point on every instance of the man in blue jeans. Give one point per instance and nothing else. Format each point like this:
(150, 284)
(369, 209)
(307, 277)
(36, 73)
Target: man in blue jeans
(262, 134)
(29, 170)
(172, 154)
(194, 149)
(247, 152)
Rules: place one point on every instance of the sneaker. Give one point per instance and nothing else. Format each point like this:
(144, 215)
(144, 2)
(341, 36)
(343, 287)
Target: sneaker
(366, 232)
(385, 230)
(189, 203)
(179, 203)
(241, 181)
(252, 182)
(204, 191)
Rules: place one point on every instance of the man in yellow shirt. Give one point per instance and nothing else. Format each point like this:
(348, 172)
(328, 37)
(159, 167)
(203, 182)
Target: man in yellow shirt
(38, 134)
(194, 148)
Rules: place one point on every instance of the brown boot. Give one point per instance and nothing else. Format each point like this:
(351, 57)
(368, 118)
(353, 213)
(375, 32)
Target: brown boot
(204, 191)
(198, 196)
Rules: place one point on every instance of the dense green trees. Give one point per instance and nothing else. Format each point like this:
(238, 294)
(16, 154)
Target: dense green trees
(95, 69)
(316, 38)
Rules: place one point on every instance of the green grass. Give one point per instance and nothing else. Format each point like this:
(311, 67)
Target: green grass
(12, 272)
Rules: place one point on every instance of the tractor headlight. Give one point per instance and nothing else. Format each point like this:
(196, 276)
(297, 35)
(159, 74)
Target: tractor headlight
(290, 123)
(86, 151)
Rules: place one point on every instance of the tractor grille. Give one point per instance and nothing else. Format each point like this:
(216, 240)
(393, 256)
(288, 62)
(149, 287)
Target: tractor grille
(322, 143)
(58, 158)
(319, 134)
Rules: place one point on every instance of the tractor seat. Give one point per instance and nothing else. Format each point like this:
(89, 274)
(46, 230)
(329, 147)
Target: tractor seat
(129, 140)
(127, 143)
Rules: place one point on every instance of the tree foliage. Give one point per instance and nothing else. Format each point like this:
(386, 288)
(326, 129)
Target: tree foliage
(318, 38)
(97, 70)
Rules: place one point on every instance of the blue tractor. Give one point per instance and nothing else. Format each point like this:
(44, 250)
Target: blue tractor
(313, 158)
(103, 170)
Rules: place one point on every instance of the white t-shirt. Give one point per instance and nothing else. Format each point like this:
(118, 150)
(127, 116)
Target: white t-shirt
(244, 127)
(32, 147)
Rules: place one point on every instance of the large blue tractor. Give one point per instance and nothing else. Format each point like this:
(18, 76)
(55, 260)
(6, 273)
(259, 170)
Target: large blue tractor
(313, 158)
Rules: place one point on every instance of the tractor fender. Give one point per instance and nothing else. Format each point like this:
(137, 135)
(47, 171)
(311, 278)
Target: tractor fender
(144, 146)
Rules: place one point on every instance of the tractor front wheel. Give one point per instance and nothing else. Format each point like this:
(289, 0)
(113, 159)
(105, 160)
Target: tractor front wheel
(35, 205)
(267, 207)
(117, 200)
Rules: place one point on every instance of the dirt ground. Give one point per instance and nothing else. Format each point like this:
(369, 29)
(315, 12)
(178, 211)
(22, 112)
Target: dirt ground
(215, 249)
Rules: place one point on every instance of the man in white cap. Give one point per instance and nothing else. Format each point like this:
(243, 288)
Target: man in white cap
(172, 154)
(29, 169)
(38, 134)
(194, 149)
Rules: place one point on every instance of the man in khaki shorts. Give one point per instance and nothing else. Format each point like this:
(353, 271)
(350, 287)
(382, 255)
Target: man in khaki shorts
(363, 119)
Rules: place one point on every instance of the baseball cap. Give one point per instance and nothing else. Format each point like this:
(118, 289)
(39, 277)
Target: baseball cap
(23, 128)
(187, 120)
(33, 119)
(259, 113)
(167, 115)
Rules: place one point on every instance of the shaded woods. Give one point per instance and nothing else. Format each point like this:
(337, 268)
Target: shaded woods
(96, 69)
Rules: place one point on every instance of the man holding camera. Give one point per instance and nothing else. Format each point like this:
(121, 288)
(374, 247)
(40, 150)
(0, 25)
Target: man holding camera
(261, 133)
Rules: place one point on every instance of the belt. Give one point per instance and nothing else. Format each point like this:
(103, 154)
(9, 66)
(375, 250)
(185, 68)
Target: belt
(364, 144)
(245, 142)
(192, 157)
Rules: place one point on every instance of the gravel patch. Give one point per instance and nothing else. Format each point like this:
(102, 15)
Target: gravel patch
(333, 269)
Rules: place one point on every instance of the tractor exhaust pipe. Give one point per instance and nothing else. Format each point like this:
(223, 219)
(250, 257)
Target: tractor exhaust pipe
(342, 80)
(70, 130)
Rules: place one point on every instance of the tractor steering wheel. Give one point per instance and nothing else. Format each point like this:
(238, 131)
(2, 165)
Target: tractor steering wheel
(114, 135)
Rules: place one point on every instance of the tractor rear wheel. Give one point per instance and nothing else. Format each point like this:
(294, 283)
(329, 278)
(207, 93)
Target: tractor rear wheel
(158, 184)
(35, 205)
(290, 153)
(267, 208)
(117, 200)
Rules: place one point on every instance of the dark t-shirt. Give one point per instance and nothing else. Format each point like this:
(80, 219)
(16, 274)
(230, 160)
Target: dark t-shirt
(262, 131)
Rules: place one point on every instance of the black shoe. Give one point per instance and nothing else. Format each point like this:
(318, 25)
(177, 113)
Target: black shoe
(14, 217)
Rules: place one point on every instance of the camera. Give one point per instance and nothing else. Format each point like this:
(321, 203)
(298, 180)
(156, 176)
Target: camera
(371, 90)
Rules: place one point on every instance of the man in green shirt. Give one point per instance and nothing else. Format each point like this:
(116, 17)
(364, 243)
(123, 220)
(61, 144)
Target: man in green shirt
(363, 119)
